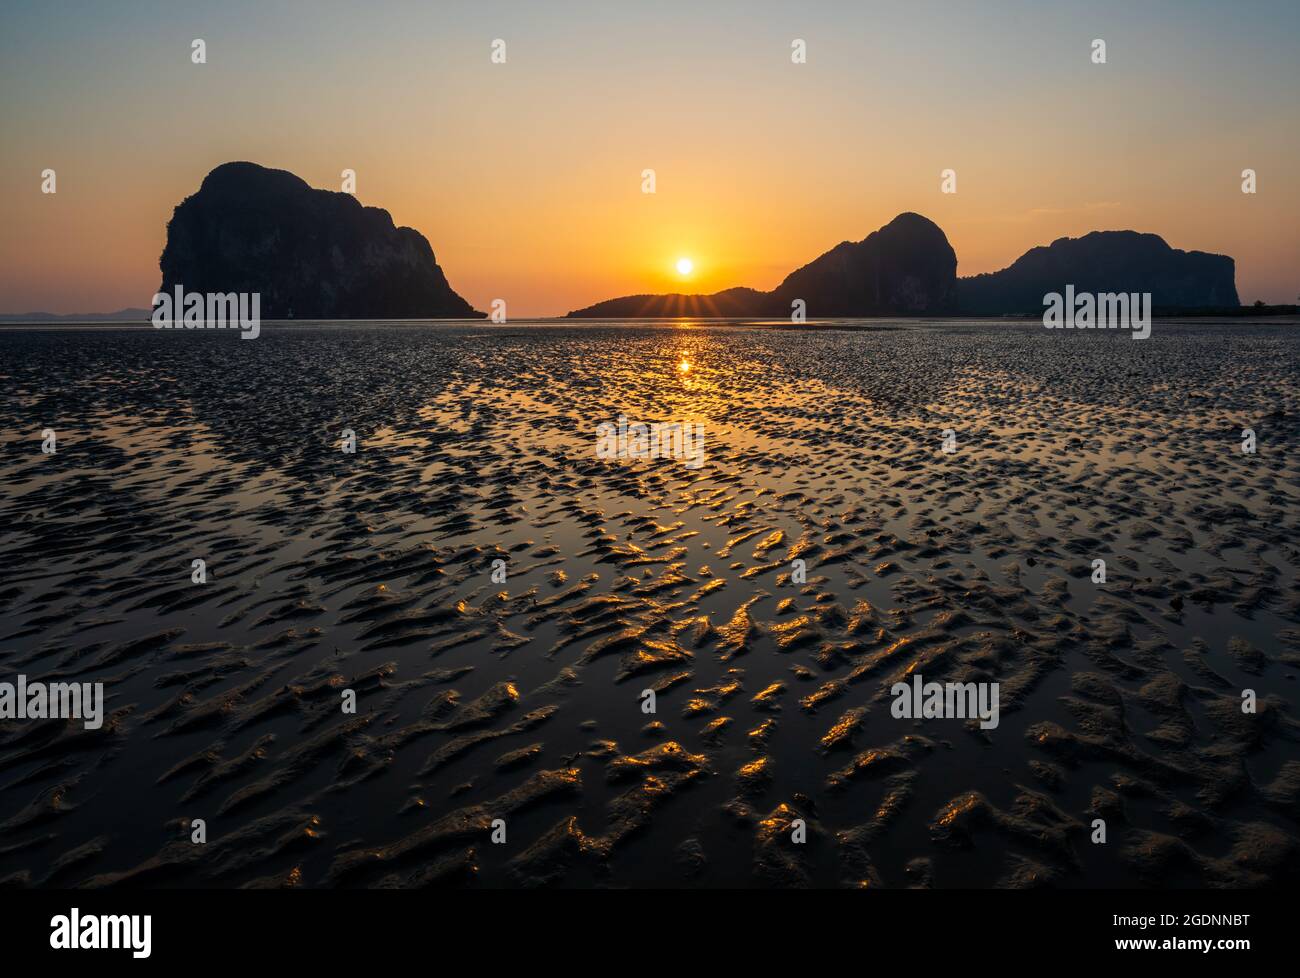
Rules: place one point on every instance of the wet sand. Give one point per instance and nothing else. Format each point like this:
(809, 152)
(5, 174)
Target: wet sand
(522, 700)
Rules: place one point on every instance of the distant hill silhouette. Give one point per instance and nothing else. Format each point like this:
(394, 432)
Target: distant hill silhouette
(908, 268)
(675, 305)
(311, 254)
(121, 316)
(1104, 261)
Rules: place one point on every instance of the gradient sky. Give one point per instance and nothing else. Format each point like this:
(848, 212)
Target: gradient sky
(526, 177)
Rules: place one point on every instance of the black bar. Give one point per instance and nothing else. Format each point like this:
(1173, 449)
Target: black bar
(969, 928)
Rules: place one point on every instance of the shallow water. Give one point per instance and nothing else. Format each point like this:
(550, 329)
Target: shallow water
(522, 701)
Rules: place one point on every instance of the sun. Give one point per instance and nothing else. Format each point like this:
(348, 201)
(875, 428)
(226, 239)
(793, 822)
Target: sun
(685, 266)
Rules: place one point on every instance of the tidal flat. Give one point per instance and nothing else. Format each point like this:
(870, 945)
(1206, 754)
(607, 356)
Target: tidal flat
(945, 489)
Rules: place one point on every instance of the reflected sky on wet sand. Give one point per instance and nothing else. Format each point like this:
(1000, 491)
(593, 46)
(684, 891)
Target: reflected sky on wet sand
(523, 699)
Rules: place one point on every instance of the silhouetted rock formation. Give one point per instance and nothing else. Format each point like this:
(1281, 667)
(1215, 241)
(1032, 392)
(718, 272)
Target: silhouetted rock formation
(1103, 261)
(311, 254)
(907, 268)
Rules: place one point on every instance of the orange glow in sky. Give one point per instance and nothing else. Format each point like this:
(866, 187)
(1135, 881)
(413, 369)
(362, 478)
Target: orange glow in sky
(526, 177)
